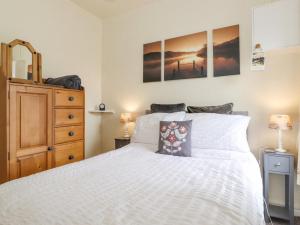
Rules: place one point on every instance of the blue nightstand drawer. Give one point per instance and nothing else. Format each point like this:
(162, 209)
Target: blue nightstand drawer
(279, 164)
(283, 164)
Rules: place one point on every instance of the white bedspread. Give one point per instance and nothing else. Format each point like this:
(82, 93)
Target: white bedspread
(135, 186)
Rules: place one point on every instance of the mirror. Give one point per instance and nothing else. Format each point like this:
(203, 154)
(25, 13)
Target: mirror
(21, 63)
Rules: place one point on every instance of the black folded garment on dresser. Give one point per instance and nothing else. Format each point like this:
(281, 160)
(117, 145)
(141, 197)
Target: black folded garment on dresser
(69, 81)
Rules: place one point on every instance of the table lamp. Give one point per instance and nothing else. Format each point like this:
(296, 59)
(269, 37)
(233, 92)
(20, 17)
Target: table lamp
(126, 118)
(280, 122)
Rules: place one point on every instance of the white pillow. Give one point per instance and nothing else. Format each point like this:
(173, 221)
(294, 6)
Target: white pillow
(147, 126)
(219, 131)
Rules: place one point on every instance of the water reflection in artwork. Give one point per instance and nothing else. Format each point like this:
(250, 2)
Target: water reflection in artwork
(226, 51)
(152, 62)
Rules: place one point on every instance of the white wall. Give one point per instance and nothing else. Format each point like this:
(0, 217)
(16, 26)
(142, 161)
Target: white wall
(275, 90)
(69, 39)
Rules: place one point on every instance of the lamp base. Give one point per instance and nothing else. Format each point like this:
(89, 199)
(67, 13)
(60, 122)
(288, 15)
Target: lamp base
(280, 150)
(126, 133)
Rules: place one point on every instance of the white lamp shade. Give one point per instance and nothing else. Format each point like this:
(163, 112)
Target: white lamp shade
(282, 122)
(127, 117)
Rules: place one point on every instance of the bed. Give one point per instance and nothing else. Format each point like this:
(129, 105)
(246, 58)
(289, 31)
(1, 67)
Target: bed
(136, 186)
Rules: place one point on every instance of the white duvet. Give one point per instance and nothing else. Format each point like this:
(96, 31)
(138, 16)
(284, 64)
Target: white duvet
(135, 186)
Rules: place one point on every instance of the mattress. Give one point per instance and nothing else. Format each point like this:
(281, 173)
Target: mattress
(135, 186)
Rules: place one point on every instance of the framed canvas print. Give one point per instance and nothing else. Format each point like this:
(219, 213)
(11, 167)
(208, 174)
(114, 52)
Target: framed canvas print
(186, 57)
(152, 62)
(226, 49)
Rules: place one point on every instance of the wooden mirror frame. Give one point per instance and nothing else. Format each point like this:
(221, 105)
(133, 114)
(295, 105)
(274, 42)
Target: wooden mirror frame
(6, 62)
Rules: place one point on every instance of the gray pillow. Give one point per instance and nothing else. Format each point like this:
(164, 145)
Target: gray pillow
(167, 108)
(220, 109)
(175, 138)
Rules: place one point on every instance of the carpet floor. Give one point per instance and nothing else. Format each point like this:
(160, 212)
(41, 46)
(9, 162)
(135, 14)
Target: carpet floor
(283, 222)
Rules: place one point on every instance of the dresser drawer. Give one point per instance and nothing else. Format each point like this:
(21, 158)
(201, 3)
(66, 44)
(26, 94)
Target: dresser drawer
(68, 98)
(68, 134)
(68, 153)
(279, 164)
(68, 116)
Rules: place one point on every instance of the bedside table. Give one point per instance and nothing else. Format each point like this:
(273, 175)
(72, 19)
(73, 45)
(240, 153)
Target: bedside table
(283, 164)
(121, 142)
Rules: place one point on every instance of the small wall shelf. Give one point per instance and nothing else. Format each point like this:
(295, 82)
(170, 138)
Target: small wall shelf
(99, 111)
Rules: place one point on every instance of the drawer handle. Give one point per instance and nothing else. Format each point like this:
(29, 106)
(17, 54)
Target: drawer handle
(50, 148)
(71, 98)
(71, 157)
(71, 133)
(277, 164)
(71, 116)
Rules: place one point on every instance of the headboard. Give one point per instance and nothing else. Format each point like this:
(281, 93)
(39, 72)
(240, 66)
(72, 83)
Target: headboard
(242, 113)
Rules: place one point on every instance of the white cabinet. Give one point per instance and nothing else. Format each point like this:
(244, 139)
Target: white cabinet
(277, 24)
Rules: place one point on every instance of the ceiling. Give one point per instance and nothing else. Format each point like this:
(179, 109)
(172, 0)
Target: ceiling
(107, 8)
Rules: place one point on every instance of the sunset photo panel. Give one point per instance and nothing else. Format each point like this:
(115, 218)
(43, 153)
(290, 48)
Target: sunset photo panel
(152, 62)
(186, 57)
(226, 50)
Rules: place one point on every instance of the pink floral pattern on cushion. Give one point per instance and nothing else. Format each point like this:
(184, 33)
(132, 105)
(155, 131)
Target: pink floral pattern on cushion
(175, 138)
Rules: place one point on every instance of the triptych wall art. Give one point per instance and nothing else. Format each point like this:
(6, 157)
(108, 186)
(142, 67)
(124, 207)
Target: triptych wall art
(186, 57)
(226, 50)
(152, 62)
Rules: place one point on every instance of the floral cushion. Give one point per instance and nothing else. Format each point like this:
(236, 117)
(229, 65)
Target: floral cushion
(175, 138)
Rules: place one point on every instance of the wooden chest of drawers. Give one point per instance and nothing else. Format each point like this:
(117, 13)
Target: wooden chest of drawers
(41, 127)
(68, 129)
